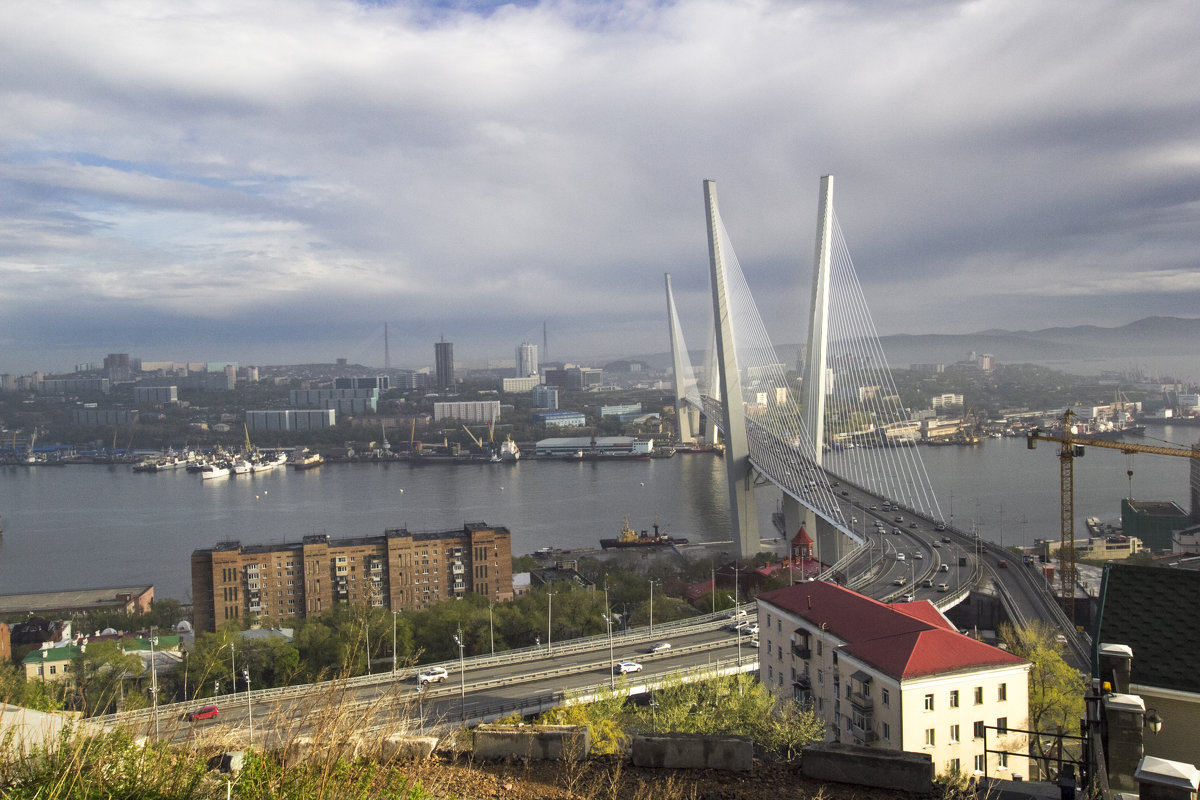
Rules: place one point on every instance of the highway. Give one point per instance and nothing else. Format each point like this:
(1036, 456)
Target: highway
(487, 687)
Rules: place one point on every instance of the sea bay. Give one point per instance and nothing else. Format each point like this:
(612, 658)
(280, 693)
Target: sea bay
(89, 526)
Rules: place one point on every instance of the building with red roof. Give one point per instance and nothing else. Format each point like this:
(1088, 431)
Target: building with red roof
(895, 676)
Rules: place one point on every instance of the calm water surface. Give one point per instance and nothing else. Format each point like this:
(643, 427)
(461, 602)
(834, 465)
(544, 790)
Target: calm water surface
(83, 526)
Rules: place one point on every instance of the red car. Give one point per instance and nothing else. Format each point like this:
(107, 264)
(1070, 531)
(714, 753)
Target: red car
(204, 712)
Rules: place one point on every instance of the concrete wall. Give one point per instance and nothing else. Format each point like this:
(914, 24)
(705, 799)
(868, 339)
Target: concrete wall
(868, 766)
(692, 751)
(542, 742)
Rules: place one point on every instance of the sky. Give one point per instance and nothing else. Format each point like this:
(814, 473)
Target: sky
(270, 181)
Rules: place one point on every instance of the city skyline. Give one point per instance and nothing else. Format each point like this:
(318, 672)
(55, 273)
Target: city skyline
(270, 182)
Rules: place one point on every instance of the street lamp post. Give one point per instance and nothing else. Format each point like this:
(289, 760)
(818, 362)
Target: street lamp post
(549, 621)
(367, 629)
(462, 674)
(185, 672)
(491, 628)
(249, 706)
(154, 681)
(612, 664)
(394, 613)
(652, 585)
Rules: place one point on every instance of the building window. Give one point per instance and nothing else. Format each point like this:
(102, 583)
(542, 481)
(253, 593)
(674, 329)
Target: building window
(886, 697)
(769, 643)
(930, 738)
(820, 677)
(980, 764)
(954, 734)
(1002, 692)
(770, 673)
(1002, 725)
(978, 732)
(954, 699)
(818, 647)
(955, 766)
(929, 702)
(1003, 758)
(887, 732)
(978, 695)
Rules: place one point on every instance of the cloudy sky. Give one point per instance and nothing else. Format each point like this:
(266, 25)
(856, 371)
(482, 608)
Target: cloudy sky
(269, 181)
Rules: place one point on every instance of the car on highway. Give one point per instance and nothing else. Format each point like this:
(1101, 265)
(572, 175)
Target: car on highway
(750, 630)
(203, 712)
(898, 518)
(918, 556)
(944, 568)
(754, 642)
(900, 581)
(927, 584)
(941, 526)
(945, 540)
(661, 647)
(895, 531)
(432, 675)
(937, 544)
(912, 525)
(899, 556)
(1002, 565)
(908, 598)
(845, 493)
(627, 666)
(943, 587)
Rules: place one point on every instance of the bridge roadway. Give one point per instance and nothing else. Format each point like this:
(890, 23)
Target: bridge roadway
(873, 569)
(523, 681)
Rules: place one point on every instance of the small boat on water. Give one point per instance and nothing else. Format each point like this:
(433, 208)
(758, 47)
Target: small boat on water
(218, 469)
(629, 538)
(306, 459)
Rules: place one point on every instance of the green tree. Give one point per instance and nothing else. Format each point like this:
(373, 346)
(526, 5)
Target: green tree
(1056, 689)
(101, 671)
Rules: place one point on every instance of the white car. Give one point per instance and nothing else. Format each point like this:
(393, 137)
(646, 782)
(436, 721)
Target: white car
(899, 556)
(627, 666)
(751, 630)
(659, 648)
(432, 675)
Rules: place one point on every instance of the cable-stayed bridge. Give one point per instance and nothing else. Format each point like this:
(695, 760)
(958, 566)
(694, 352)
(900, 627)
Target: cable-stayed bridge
(843, 422)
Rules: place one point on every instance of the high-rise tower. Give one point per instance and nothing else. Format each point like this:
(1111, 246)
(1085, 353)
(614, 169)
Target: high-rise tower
(443, 357)
(527, 360)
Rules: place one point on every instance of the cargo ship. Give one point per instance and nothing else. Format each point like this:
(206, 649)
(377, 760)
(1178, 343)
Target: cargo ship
(631, 538)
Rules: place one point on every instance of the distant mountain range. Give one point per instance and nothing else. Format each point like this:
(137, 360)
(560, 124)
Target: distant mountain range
(1091, 345)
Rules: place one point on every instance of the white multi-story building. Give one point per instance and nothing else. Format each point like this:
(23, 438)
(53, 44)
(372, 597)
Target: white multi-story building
(527, 360)
(468, 410)
(896, 676)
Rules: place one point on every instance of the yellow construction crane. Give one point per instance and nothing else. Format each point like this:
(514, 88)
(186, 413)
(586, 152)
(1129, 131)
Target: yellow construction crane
(1072, 448)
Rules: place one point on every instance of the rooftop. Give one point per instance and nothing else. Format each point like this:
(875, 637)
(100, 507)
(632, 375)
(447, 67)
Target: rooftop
(1147, 608)
(905, 640)
(81, 599)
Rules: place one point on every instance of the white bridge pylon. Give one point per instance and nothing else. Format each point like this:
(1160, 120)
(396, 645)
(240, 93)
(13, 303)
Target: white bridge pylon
(863, 433)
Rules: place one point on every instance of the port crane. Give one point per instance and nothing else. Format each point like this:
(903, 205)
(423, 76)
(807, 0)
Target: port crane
(1072, 448)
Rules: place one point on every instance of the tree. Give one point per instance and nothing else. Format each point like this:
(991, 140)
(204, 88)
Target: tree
(100, 673)
(1056, 689)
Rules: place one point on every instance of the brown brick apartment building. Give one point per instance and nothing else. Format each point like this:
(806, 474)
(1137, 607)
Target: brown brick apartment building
(398, 570)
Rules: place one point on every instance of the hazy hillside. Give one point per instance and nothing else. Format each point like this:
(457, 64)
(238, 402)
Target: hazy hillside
(1161, 342)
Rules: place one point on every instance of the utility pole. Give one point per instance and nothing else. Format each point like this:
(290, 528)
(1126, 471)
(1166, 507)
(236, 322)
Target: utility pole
(491, 629)
(249, 706)
(549, 620)
(394, 613)
(652, 584)
(612, 663)
(462, 673)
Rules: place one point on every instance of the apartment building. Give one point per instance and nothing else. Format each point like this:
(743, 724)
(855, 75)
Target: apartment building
(397, 570)
(898, 677)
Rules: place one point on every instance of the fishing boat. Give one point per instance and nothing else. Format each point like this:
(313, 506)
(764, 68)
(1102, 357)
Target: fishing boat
(216, 469)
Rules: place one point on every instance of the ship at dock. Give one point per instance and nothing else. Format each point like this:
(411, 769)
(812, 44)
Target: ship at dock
(629, 538)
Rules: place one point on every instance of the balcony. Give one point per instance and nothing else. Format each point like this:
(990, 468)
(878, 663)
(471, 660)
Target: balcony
(862, 702)
(458, 569)
(865, 735)
(801, 650)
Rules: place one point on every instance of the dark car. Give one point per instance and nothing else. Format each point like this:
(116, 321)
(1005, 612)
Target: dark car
(203, 712)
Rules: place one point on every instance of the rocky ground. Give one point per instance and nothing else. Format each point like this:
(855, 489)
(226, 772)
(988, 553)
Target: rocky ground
(616, 779)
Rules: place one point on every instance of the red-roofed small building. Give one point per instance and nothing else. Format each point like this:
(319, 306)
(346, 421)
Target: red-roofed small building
(899, 677)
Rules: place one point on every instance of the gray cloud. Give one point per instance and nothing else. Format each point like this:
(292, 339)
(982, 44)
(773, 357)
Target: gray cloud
(269, 182)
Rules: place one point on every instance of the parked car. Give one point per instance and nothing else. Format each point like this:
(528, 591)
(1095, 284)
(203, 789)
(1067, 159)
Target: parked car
(627, 666)
(661, 647)
(432, 675)
(203, 712)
